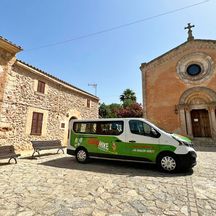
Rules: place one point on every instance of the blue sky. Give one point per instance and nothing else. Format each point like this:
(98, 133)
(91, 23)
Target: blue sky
(111, 59)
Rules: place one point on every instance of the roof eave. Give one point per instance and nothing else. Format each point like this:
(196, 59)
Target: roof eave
(143, 65)
(5, 44)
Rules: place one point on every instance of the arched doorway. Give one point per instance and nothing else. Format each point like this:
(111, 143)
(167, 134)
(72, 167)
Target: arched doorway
(197, 112)
(72, 118)
(69, 116)
(70, 125)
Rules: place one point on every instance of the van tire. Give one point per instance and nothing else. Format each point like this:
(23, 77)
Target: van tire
(81, 155)
(167, 162)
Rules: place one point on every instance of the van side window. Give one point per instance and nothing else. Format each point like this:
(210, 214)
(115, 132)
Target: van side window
(110, 128)
(142, 128)
(100, 127)
(86, 127)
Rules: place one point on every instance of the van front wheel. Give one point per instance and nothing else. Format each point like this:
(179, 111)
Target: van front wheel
(81, 155)
(167, 162)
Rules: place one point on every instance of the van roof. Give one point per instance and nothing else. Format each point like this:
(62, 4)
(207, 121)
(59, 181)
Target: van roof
(112, 119)
(108, 119)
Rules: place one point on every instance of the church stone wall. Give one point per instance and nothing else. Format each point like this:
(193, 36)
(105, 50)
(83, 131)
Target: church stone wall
(58, 105)
(162, 86)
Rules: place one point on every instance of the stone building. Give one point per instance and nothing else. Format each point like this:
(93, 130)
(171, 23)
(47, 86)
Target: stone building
(179, 88)
(35, 105)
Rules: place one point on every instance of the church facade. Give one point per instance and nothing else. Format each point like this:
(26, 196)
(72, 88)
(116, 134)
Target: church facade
(35, 105)
(179, 88)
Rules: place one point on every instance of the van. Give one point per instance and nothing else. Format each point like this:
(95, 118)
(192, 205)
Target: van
(134, 139)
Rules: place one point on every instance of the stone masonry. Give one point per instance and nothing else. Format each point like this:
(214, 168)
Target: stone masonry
(165, 82)
(19, 98)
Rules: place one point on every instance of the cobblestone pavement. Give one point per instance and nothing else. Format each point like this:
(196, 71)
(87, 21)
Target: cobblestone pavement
(58, 185)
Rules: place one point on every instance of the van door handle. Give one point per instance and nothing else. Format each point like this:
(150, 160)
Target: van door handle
(132, 141)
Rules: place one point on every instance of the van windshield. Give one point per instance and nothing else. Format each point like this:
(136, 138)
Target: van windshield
(159, 128)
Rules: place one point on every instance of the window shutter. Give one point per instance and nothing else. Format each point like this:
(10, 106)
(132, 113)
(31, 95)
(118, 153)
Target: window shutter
(88, 103)
(40, 122)
(41, 86)
(37, 122)
(34, 123)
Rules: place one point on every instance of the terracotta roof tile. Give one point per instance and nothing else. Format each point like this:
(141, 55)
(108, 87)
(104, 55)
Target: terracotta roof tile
(4, 39)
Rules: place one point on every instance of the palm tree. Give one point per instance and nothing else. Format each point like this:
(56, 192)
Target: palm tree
(128, 94)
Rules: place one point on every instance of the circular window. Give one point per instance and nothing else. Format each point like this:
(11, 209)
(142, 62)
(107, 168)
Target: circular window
(194, 69)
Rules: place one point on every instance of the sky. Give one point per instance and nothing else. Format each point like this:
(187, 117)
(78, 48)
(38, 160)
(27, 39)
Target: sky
(78, 42)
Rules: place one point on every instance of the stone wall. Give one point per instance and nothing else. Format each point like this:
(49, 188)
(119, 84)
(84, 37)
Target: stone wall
(6, 61)
(163, 87)
(58, 104)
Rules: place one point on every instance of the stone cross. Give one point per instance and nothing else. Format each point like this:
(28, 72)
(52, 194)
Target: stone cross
(190, 35)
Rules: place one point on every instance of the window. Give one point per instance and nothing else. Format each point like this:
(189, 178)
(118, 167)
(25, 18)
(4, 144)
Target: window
(41, 86)
(37, 121)
(194, 69)
(62, 125)
(101, 128)
(110, 128)
(85, 127)
(88, 103)
(142, 128)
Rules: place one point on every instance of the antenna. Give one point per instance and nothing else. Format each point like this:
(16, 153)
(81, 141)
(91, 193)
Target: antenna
(94, 85)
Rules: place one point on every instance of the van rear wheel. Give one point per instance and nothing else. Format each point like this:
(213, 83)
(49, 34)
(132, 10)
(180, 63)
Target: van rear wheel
(81, 155)
(167, 162)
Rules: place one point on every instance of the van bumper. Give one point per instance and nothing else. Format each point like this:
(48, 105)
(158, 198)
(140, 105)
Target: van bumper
(188, 160)
(70, 152)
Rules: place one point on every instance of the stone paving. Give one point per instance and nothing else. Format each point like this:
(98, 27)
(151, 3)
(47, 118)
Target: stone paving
(58, 185)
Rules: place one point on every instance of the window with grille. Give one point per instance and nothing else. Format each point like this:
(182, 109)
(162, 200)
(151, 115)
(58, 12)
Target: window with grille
(41, 87)
(37, 122)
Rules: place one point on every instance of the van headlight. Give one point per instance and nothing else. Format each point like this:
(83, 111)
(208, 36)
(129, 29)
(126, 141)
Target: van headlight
(185, 143)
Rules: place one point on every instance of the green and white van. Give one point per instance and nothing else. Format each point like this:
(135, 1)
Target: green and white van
(134, 139)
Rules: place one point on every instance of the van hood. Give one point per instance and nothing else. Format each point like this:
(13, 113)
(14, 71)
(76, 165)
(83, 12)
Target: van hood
(181, 138)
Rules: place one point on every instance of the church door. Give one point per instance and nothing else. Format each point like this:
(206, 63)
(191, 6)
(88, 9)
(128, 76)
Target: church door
(200, 123)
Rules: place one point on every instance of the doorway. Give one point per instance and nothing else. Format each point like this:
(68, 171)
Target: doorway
(200, 123)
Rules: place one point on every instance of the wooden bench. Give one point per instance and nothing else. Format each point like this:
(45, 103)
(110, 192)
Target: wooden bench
(8, 152)
(46, 145)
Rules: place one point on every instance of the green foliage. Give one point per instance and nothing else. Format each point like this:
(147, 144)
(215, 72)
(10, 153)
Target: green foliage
(128, 95)
(109, 111)
(132, 110)
(128, 108)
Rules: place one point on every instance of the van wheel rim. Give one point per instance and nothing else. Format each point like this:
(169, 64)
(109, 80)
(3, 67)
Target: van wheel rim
(81, 155)
(168, 163)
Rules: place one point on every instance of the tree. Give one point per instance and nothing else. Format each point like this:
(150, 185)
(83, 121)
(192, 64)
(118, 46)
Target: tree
(128, 95)
(128, 108)
(109, 111)
(103, 110)
(133, 110)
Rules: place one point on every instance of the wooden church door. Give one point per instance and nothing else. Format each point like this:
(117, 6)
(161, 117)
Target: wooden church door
(200, 123)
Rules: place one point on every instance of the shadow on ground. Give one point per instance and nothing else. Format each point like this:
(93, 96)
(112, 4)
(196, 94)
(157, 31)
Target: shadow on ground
(205, 148)
(112, 167)
(5, 163)
(38, 157)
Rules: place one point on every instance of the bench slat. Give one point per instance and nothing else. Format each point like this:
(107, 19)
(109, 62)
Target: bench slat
(46, 144)
(9, 155)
